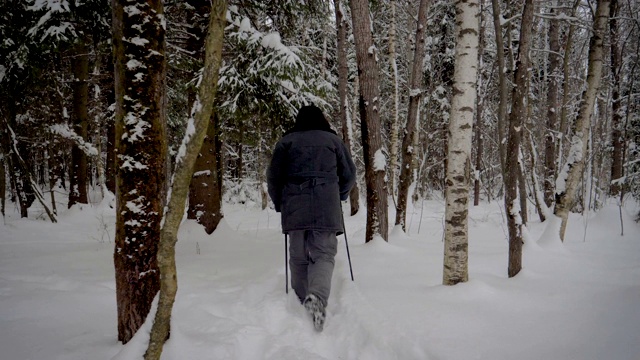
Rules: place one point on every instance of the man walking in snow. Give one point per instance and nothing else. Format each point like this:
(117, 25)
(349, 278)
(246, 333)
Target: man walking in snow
(310, 173)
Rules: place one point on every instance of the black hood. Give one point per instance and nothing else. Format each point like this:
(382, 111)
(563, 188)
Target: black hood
(310, 118)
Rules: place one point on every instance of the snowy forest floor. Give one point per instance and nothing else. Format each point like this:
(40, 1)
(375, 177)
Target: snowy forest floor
(577, 300)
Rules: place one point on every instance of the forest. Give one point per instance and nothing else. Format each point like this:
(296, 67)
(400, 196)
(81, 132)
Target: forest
(173, 108)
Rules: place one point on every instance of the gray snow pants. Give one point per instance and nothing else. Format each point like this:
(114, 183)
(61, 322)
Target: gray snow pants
(312, 260)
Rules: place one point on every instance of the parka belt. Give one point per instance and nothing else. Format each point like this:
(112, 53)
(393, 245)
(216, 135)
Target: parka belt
(312, 179)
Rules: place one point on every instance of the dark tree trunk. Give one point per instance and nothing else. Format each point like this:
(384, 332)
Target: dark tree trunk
(503, 85)
(522, 189)
(415, 94)
(343, 74)
(18, 175)
(516, 122)
(110, 169)
(140, 69)
(616, 105)
(371, 127)
(205, 191)
(78, 170)
(555, 60)
(3, 184)
(479, 109)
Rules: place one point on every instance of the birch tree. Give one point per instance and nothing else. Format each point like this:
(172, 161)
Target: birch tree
(140, 65)
(569, 178)
(185, 161)
(460, 135)
(517, 116)
(415, 94)
(374, 158)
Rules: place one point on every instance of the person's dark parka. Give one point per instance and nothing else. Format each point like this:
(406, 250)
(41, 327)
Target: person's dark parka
(310, 173)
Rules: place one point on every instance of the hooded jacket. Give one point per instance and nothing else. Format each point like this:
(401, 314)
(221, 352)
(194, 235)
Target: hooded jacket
(310, 172)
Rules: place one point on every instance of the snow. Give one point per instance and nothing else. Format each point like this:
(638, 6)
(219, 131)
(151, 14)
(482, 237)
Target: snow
(139, 41)
(572, 300)
(66, 132)
(379, 161)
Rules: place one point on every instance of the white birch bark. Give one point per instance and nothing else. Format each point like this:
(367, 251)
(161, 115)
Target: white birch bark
(569, 178)
(460, 135)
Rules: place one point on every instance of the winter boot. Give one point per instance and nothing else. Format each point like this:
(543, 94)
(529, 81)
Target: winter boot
(315, 308)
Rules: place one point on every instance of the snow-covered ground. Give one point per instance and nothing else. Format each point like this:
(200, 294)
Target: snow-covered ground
(577, 300)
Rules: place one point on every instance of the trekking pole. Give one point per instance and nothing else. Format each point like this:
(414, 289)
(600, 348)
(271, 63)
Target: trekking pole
(286, 267)
(346, 242)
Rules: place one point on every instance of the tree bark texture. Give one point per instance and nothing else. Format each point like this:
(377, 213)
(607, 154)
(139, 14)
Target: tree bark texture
(80, 85)
(479, 109)
(110, 167)
(517, 116)
(26, 180)
(569, 178)
(205, 190)
(616, 103)
(185, 161)
(140, 67)
(555, 59)
(502, 81)
(393, 151)
(18, 176)
(415, 94)
(377, 209)
(566, 79)
(458, 178)
(343, 78)
(3, 184)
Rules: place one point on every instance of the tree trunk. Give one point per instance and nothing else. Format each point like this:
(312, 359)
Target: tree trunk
(24, 193)
(415, 94)
(191, 145)
(205, 190)
(110, 168)
(516, 123)
(522, 187)
(140, 68)
(616, 104)
(50, 149)
(3, 184)
(393, 151)
(343, 78)
(456, 237)
(502, 80)
(569, 177)
(24, 179)
(552, 109)
(80, 85)
(479, 109)
(566, 77)
(374, 161)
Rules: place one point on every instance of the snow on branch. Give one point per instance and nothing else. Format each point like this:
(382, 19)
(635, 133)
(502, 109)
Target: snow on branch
(64, 131)
(51, 8)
